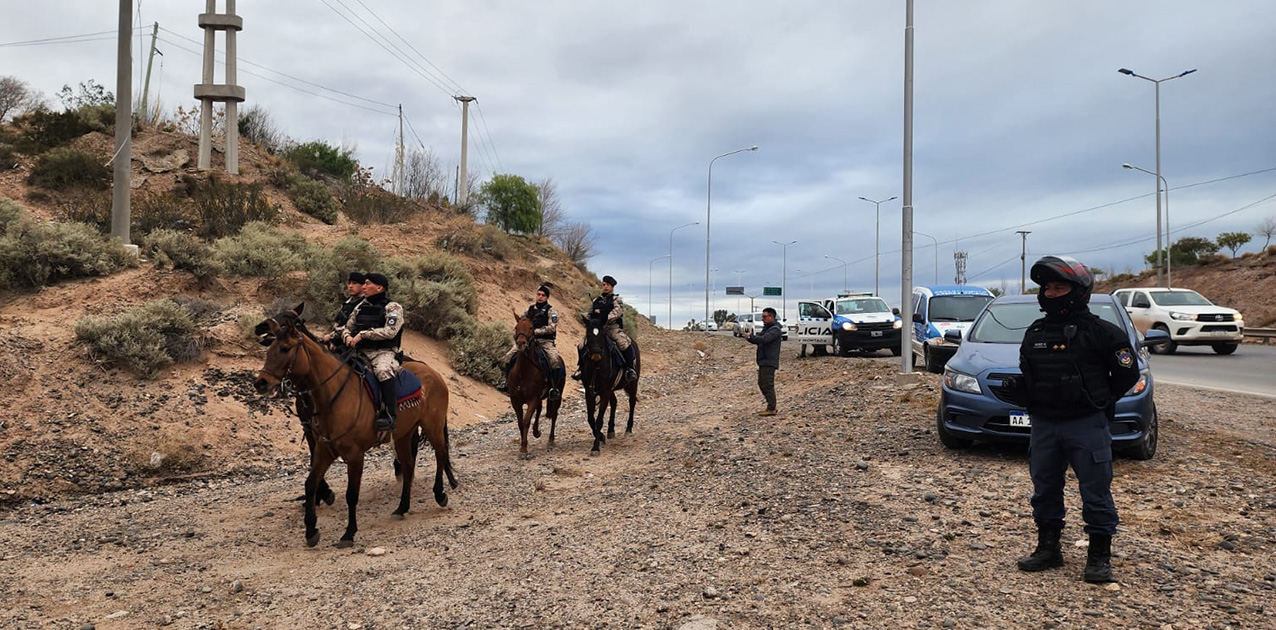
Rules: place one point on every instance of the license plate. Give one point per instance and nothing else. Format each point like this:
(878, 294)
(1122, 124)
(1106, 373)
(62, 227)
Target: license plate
(876, 333)
(1020, 420)
(1219, 333)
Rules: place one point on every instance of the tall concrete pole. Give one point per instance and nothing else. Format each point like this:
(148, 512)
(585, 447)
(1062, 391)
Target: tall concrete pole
(1023, 261)
(232, 106)
(463, 188)
(146, 84)
(123, 155)
(205, 160)
(906, 277)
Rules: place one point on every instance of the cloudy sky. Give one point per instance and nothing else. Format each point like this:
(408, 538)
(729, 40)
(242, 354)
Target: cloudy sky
(1021, 120)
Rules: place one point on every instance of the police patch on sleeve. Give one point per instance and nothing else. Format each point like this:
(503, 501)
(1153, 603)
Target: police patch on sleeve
(1125, 357)
(391, 321)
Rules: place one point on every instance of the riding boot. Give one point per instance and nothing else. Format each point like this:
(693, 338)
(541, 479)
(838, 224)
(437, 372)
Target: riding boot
(580, 360)
(631, 374)
(389, 406)
(1098, 561)
(504, 385)
(557, 382)
(1048, 554)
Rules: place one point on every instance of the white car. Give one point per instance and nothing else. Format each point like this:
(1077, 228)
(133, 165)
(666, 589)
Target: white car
(753, 321)
(1189, 318)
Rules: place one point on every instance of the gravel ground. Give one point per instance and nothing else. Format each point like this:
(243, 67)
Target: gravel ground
(841, 511)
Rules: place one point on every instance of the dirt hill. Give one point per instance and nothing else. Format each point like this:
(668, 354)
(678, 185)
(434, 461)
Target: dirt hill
(1247, 284)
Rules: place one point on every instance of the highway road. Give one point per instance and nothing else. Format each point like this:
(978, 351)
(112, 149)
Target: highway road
(1251, 370)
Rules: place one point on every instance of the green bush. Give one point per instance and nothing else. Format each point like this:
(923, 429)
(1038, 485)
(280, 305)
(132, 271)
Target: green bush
(312, 197)
(485, 239)
(143, 339)
(224, 208)
(436, 290)
(478, 354)
(43, 130)
(63, 168)
(182, 251)
(260, 250)
(35, 254)
(320, 158)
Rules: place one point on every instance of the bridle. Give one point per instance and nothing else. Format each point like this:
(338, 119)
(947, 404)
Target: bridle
(286, 384)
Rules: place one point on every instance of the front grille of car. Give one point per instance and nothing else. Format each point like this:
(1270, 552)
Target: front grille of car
(870, 326)
(1215, 317)
(1002, 392)
(1209, 329)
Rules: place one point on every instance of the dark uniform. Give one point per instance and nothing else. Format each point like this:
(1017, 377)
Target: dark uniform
(378, 323)
(607, 312)
(1075, 366)
(768, 341)
(545, 332)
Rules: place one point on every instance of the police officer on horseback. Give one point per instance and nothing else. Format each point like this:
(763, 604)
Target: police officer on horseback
(354, 295)
(607, 312)
(375, 329)
(545, 331)
(1075, 366)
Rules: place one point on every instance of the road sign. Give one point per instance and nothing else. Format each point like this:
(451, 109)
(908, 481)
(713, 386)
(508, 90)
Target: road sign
(735, 290)
(771, 291)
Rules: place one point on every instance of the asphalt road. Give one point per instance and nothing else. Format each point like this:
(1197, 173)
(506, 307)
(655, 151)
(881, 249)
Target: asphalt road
(1251, 370)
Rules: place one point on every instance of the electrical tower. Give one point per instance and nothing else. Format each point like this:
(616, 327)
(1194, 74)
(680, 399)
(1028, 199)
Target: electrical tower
(959, 259)
(229, 93)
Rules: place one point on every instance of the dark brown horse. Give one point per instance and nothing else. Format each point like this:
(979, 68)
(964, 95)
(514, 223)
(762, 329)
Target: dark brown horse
(602, 378)
(529, 385)
(344, 414)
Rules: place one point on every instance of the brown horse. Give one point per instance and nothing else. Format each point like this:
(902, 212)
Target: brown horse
(529, 385)
(344, 414)
(602, 378)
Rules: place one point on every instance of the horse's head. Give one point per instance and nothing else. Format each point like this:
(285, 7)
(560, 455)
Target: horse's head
(283, 336)
(595, 342)
(522, 332)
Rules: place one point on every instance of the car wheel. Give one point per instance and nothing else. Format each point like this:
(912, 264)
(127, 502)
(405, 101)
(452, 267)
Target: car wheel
(838, 349)
(1166, 348)
(1225, 348)
(1145, 448)
(946, 438)
(932, 365)
(896, 351)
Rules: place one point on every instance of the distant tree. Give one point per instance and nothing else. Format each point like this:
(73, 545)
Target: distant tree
(511, 204)
(720, 317)
(89, 94)
(1186, 251)
(552, 215)
(17, 97)
(1233, 240)
(423, 176)
(577, 240)
(1266, 229)
(997, 291)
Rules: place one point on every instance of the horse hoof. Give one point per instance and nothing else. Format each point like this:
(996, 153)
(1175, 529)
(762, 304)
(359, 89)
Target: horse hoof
(536, 433)
(344, 543)
(312, 539)
(441, 499)
(595, 452)
(611, 435)
(398, 516)
(525, 456)
(330, 498)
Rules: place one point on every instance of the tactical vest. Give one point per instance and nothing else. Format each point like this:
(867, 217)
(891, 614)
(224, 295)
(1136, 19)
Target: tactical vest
(1064, 369)
(347, 309)
(540, 318)
(370, 315)
(604, 304)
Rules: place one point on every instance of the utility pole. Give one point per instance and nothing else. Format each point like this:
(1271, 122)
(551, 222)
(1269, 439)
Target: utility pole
(146, 85)
(123, 155)
(397, 176)
(1023, 259)
(463, 188)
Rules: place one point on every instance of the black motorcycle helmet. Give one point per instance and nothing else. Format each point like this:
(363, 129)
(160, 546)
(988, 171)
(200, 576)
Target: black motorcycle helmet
(1064, 269)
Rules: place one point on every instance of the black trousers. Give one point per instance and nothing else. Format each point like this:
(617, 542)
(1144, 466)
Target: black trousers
(766, 383)
(1085, 443)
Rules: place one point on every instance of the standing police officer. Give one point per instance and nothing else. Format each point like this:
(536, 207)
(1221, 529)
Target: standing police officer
(1075, 366)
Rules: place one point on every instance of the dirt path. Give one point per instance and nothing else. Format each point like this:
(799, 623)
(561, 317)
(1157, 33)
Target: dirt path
(843, 510)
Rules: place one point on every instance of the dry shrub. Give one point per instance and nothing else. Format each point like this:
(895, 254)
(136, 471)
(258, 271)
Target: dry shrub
(148, 211)
(145, 339)
(173, 452)
(438, 293)
(700, 345)
(260, 250)
(224, 208)
(34, 254)
(312, 197)
(328, 268)
(481, 240)
(182, 251)
(478, 354)
(64, 168)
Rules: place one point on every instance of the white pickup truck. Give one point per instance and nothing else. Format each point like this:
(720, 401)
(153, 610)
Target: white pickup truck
(1189, 318)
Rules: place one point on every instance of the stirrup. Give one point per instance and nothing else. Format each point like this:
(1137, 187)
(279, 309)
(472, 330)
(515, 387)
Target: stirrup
(576, 375)
(554, 394)
(631, 375)
(503, 386)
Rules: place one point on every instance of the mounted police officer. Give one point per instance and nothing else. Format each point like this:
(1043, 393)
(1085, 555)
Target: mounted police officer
(1075, 366)
(545, 330)
(375, 328)
(608, 312)
(354, 295)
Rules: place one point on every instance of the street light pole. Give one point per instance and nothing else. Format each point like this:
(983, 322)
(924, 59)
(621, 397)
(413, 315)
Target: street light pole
(1023, 258)
(844, 287)
(936, 252)
(877, 247)
(670, 313)
(653, 261)
(708, 207)
(1169, 242)
(784, 278)
(739, 281)
(1159, 180)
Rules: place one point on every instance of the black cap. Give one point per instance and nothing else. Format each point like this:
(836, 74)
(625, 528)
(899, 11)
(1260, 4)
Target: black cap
(543, 289)
(356, 277)
(378, 279)
(609, 280)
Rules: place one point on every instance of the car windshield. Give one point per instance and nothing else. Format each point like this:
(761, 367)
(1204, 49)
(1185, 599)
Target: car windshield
(1006, 323)
(1179, 298)
(862, 305)
(957, 308)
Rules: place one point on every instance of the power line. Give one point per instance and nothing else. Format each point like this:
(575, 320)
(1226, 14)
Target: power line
(69, 39)
(488, 133)
(443, 74)
(401, 59)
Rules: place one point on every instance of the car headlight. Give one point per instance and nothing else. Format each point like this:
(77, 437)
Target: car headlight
(1139, 386)
(957, 381)
(1183, 317)
(848, 326)
(899, 323)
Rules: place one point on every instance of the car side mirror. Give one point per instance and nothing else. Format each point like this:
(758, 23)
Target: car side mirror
(895, 311)
(1155, 337)
(952, 336)
(917, 317)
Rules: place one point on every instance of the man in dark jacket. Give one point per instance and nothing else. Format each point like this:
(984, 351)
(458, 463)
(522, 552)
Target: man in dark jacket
(768, 343)
(1075, 366)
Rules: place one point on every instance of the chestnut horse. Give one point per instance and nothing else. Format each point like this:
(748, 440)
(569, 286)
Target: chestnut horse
(529, 385)
(602, 378)
(344, 414)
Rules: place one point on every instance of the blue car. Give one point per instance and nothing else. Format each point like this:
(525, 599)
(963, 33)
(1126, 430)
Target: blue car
(972, 407)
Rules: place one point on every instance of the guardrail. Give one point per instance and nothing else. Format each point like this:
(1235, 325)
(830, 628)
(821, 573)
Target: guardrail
(1266, 334)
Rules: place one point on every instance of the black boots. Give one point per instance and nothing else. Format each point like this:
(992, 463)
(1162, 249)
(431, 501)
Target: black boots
(630, 374)
(505, 375)
(1098, 560)
(1047, 555)
(389, 407)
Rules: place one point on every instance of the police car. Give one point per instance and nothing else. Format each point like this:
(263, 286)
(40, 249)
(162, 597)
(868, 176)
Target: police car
(851, 321)
(937, 310)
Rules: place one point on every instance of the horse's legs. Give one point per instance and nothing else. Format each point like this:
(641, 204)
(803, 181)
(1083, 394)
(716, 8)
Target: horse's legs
(442, 460)
(524, 419)
(552, 414)
(319, 463)
(305, 414)
(405, 451)
(632, 391)
(354, 476)
(611, 422)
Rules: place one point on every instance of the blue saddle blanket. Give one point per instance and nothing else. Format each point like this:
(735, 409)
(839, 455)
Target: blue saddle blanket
(406, 386)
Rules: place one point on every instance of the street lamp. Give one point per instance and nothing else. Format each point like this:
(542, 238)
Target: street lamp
(739, 281)
(1169, 242)
(713, 288)
(844, 287)
(936, 252)
(708, 207)
(784, 278)
(653, 261)
(670, 313)
(1159, 180)
(877, 248)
